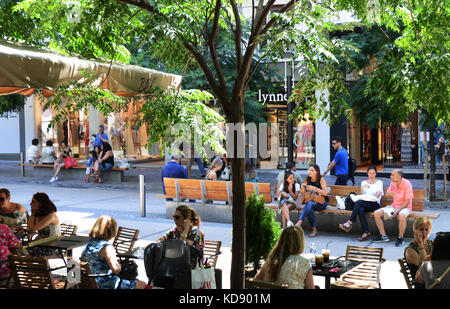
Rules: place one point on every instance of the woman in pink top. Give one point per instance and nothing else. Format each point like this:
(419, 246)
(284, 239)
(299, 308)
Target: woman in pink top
(7, 242)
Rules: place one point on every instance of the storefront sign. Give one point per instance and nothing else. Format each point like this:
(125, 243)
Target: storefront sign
(266, 98)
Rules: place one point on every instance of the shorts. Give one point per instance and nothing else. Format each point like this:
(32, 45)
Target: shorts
(104, 167)
(88, 170)
(389, 211)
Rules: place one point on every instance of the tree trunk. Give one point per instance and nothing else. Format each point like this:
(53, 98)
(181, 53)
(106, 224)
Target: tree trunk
(237, 276)
(432, 167)
(425, 167)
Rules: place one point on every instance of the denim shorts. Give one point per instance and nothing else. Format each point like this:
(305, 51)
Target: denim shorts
(104, 167)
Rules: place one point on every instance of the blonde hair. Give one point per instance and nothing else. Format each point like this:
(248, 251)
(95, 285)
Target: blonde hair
(422, 221)
(215, 163)
(104, 228)
(291, 242)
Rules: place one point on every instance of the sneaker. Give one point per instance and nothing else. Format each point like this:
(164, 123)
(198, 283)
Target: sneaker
(290, 223)
(381, 238)
(399, 242)
(53, 179)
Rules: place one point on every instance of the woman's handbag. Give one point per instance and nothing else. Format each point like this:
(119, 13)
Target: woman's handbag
(129, 270)
(70, 162)
(313, 196)
(203, 278)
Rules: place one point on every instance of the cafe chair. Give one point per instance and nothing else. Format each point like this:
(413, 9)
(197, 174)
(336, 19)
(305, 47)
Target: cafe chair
(363, 276)
(406, 271)
(252, 283)
(68, 229)
(364, 254)
(125, 239)
(211, 251)
(33, 273)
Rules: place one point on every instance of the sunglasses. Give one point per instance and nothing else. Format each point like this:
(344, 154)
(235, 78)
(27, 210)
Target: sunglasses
(176, 217)
(2, 199)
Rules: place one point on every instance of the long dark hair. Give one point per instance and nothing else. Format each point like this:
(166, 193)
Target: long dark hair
(46, 206)
(286, 183)
(441, 247)
(317, 168)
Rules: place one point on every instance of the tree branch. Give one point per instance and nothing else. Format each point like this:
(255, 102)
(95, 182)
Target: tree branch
(212, 46)
(284, 9)
(237, 35)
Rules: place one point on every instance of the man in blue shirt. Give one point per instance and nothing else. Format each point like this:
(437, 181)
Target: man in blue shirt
(173, 169)
(100, 137)
(340, 161)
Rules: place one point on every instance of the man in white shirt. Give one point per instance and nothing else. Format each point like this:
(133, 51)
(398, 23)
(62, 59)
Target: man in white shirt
(33, 154)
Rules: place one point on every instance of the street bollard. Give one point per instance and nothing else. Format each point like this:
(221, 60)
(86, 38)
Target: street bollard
(142, 195)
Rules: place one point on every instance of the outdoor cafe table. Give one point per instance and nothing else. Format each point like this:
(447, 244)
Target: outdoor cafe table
(66, 243)
(332, 269)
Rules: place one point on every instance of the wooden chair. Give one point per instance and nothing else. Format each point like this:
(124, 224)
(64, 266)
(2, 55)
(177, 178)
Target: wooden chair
(211, 251)
(125, 239)
(87, 280)
(260, 284)
(364, 254)
(32, 273)
(68, 229)
(406, 271)
(364, 276)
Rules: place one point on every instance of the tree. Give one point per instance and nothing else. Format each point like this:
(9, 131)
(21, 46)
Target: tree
(179, 30)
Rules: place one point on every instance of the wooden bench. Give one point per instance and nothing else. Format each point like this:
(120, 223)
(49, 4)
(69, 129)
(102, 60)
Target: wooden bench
(114, 175)
(329, 218)
(211, 199)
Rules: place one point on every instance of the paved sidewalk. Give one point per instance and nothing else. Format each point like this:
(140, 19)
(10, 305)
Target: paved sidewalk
(82, 204)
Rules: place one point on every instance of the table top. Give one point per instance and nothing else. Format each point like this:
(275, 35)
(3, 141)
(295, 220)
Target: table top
(334, 268)
(66, 242)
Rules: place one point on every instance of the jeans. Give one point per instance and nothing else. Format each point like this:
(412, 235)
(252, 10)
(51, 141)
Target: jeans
(341, 180)
(200, 165)
(308, 211)
(104, 167)
(361, 207)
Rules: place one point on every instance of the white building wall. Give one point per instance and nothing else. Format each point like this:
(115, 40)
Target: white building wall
(10, 134)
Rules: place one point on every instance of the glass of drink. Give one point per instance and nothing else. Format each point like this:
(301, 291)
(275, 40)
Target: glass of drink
(319, 260)
(326, 255)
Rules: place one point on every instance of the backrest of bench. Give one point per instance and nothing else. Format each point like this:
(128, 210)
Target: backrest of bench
(212, 190)
(344, 191)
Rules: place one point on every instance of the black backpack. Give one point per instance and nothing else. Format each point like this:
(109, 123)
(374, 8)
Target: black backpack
(351, 169)
(165, 260)
(349, 204)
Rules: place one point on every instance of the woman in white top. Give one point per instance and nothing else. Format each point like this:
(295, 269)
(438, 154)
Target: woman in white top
(287, 196)
(48, 153)
(368, 201)
(285, 264)
(216, 165)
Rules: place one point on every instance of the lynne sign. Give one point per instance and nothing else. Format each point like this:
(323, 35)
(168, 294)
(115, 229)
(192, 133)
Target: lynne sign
(265, 98)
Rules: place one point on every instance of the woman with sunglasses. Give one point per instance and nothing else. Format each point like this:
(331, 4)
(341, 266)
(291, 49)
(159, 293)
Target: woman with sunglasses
(187, 227)
(12, 214)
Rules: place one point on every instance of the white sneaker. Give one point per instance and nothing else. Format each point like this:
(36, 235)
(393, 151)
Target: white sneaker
(57, 178)
(290, 223)
(340, 202)
(53, 179)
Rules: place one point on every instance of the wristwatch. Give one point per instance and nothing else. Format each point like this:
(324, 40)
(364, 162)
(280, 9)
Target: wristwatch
(183, 235)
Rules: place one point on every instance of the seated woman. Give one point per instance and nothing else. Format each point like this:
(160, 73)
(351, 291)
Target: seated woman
(48, 153)
(314, 185)
(216, 165)
(8, 243)
(102, 258)
(420, 248)
(44, 221)
(59, 163)
(372, 189)
(288, 192)
(438, 264)
(104, 162)
(12, 214)
(285, 263)
(187, 227)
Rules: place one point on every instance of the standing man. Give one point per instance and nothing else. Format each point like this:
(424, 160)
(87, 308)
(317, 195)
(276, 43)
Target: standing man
(173, 169)
(340, 161)
(402, 194)
(100, 137)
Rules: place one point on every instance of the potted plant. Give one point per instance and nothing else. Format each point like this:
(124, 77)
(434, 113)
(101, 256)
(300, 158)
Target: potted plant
(262, 231)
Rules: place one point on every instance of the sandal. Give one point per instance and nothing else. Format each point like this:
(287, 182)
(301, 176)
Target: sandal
(364, 238)
(345, 227)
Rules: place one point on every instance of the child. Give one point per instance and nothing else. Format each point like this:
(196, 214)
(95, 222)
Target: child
(92, 159)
